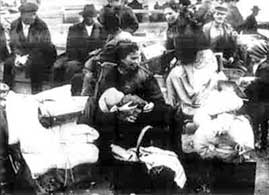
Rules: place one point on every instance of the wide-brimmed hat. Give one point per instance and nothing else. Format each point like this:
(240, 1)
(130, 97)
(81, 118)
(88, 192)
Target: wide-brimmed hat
(28, 7)
(89, 11)
(255, 7)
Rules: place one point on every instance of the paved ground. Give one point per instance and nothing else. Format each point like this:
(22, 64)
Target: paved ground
(262, 175)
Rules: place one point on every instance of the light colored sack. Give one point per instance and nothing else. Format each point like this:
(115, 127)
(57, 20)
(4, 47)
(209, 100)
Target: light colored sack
(63, 146)
(226, 136)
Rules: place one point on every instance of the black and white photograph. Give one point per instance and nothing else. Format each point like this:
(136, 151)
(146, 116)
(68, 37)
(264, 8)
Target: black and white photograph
(134, 97)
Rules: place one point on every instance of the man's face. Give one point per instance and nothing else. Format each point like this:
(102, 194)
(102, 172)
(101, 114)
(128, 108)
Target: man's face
(220, 17)
(255, 12)
(28, 18)
(170, 15)
(129, 64)
(88, 20)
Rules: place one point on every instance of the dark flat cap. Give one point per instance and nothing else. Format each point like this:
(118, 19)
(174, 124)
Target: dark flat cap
(221, 8)
(28, 7)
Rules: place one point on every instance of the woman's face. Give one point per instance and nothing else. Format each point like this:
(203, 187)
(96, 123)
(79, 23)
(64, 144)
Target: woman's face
(130, 63)
(170, 15)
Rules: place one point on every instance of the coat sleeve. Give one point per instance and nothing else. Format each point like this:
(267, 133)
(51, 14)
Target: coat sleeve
(152, 91)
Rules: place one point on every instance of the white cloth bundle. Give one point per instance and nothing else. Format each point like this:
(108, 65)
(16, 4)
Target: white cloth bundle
(223, 136)
(58, 101)
(217, 102)
(63, 146)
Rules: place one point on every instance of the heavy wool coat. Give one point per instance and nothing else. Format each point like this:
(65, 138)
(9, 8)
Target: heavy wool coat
(37, 44)
(79, 43)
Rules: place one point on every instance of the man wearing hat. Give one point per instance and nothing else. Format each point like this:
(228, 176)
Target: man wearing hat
(30, 40)
(250, 25)
(86, 36)
(82, 39)
(221, 35)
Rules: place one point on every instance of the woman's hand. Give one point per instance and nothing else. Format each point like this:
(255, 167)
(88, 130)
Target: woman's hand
(131, 119)
(127, 107)
(148, 107)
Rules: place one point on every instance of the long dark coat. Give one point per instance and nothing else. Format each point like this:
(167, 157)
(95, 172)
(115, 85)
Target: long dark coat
(79, 43)
(37, 44)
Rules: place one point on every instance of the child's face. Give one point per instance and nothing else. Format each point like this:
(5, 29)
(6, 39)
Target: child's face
(170, 15)
(187, 143)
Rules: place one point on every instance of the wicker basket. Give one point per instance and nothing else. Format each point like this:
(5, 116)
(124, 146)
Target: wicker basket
(133, 176)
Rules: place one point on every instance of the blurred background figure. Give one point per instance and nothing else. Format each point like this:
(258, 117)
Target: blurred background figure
(221, 35)
(205, 11)
(135, 4)
(250, 25)
(234, 16)
(157, 5)
(173, 4)
(171, 16)
(127, 18)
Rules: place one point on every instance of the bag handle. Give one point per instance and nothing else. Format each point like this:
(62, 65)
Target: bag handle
(140, 138)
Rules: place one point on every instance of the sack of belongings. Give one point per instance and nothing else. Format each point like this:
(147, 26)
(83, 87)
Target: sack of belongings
(228, 137)
(147, 167)
(221, 132)
(62, 147)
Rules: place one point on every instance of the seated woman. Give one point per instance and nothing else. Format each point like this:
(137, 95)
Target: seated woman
(129, 77)
(196, 74)
(201, 91)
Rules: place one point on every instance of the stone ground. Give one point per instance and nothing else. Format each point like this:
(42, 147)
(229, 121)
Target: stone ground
(262, 174)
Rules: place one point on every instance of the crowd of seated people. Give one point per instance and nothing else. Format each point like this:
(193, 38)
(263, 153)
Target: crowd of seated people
(103, 61)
